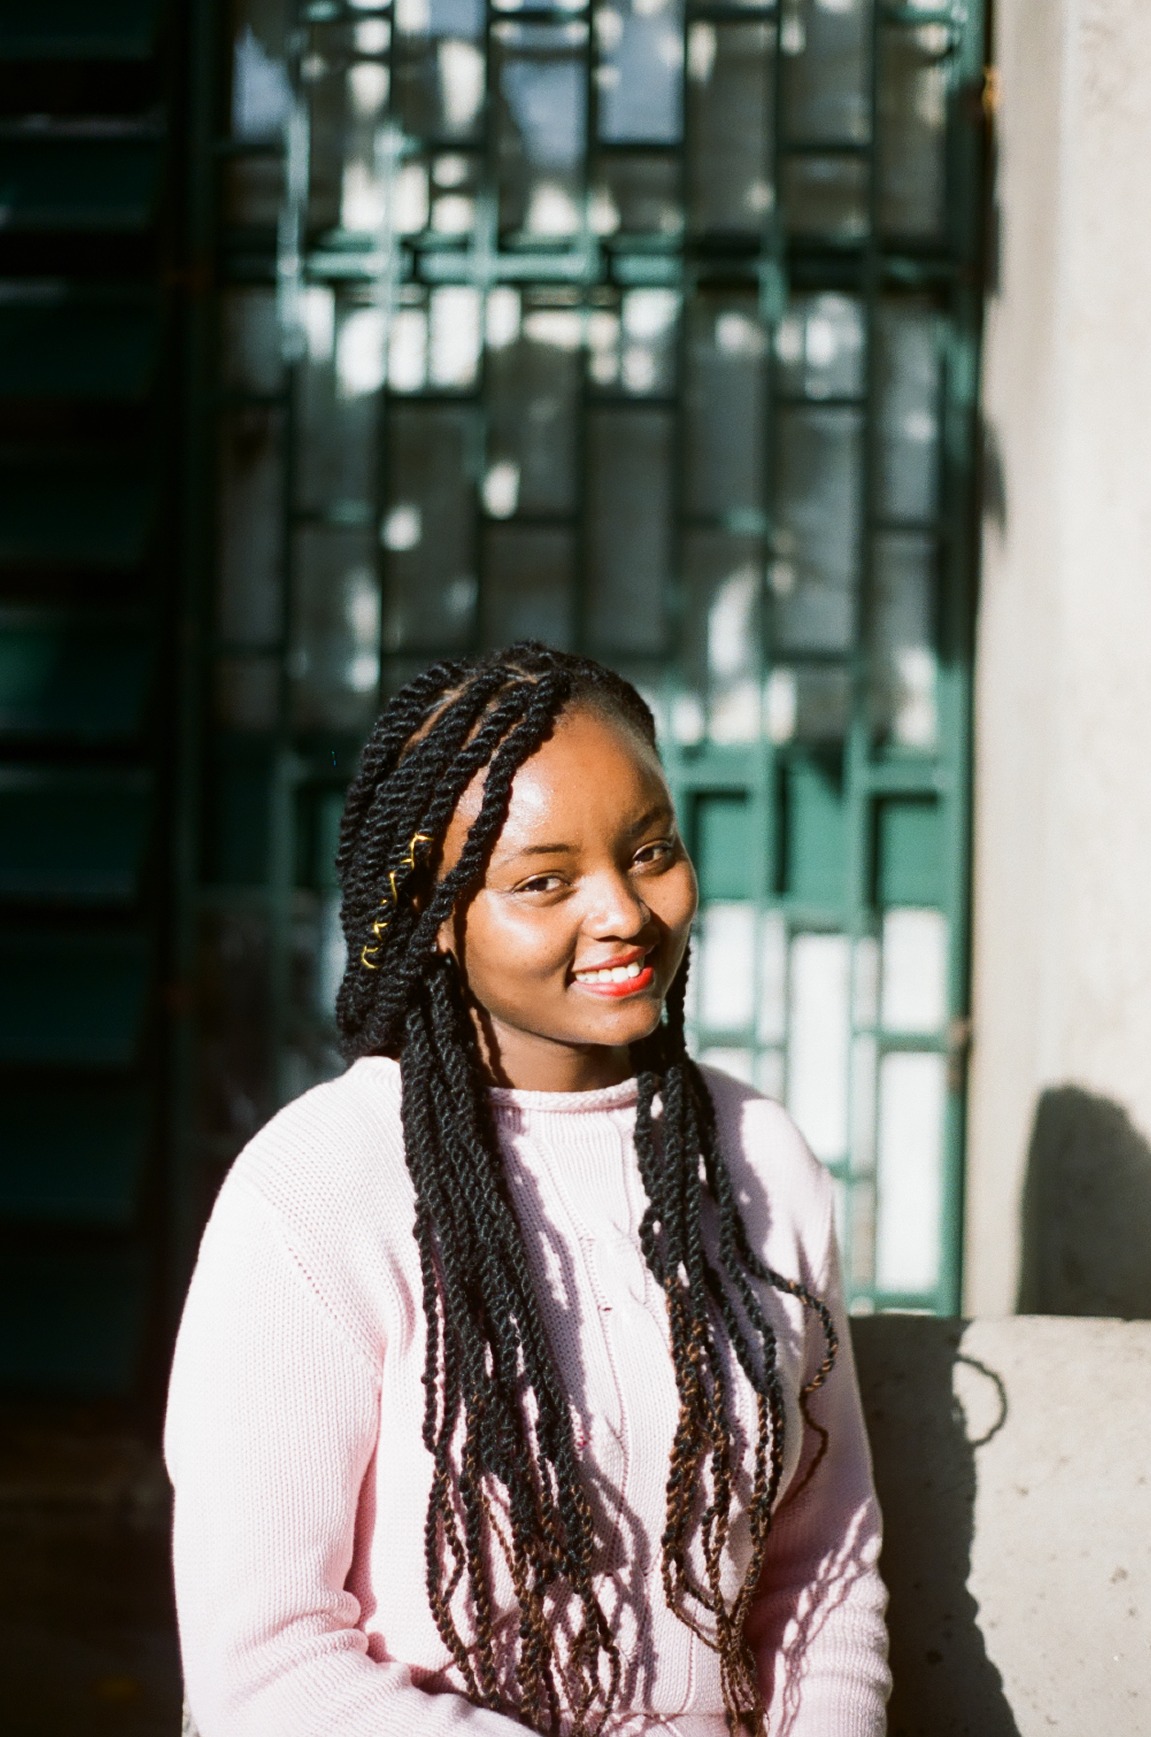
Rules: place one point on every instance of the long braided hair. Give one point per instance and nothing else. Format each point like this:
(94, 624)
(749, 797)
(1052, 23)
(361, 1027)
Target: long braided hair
(495, 1413)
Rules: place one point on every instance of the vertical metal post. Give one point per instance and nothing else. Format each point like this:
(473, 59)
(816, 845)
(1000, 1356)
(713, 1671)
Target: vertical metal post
(203, 41)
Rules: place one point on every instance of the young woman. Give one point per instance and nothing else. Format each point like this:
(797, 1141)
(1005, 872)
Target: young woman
(513, 1385)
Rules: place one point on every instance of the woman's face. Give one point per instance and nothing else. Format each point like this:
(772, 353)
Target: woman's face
(571, 943)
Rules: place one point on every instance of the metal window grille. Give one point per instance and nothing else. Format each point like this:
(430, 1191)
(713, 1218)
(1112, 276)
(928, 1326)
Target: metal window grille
(648, 328)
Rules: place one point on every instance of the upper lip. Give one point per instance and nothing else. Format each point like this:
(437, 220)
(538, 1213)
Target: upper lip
(629, 958)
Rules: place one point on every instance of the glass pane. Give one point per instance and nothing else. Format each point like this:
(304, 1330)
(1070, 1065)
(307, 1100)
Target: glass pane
(730, 69)
(533, 374)
(335, 654)
(640, 71)
(807, 705)
(864, 1063)
(330, 956)
(341, 373)
(770, 1073)
(439, 86)
(541, 127)
(248, 693)
(771, 1013)
(817, 1055)
(261, 91)
(866, 1004)
(914, 996)
(250, 341)
(407, 340)
(453, 336)
(819, 347)
(723, 632)
(631, 341)
(253, 192)
(455, 187)
(913, 88)
(428, 531)
(825, 51)
(912, 1096)
(234, 1092)
(824, 195)
(629, 528)
(250, 597)
(311, 1054)
(439, 68)
(902, 668)
(819, 486)
(463, 18)
(725, 406)
(527, 591)
(861, 1235)
(348, 101)
(909, 383)
(636, 195)
(725, 947)
(739, 1063)
(326, 161)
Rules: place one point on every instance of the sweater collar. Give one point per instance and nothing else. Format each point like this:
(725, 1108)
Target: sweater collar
(510, 1100)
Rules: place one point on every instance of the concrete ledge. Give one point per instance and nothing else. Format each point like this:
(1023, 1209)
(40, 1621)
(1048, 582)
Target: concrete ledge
(1013, 1459)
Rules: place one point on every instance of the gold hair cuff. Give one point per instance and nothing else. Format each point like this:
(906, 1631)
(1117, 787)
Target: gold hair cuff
(391, 899)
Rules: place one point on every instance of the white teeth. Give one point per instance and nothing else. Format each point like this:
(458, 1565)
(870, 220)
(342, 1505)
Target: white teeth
(614, 974)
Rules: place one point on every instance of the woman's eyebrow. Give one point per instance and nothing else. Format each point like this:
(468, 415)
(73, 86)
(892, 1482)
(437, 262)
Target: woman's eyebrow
(661, 810)
(537, 850)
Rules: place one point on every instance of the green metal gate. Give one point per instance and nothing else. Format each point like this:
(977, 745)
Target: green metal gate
(649, 328)
(89, 367)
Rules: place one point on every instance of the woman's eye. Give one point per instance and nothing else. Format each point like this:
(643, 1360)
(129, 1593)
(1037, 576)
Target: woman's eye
(657, 851)
(540, 884)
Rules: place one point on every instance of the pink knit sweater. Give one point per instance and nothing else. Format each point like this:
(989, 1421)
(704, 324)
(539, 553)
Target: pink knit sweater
(293, 1432)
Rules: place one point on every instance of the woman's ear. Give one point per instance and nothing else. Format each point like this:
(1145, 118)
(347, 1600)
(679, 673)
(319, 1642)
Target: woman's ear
(445, 938)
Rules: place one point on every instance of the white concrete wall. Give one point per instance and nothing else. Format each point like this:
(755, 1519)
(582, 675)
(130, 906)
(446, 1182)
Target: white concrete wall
(1011, 1463)
(1062, 870)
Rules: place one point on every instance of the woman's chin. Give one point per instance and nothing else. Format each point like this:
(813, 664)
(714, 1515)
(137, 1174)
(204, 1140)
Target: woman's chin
(630, 1021)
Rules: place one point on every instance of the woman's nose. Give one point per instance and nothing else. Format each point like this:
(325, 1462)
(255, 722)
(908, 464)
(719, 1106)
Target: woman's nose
(616, 909)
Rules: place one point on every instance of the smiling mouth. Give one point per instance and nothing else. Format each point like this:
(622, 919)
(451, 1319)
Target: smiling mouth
(614, 981)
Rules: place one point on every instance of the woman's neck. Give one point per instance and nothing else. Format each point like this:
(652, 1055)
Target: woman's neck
(530, 1063)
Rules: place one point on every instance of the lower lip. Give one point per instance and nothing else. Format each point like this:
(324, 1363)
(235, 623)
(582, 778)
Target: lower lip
(617, 991)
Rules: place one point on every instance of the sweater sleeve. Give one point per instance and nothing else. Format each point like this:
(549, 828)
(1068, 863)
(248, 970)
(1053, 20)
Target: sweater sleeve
(817, 1626)
(273, 1419)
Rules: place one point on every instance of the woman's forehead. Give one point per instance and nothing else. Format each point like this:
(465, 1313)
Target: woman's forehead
(592, 772)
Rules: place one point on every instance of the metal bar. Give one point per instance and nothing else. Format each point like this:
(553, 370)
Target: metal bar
(183, 1155)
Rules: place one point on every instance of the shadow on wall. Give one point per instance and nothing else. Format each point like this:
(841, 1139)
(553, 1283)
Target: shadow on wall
(1086, 1210)
(945, 1684)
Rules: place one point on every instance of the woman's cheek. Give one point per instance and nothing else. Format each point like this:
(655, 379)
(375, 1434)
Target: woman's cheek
(505, 939)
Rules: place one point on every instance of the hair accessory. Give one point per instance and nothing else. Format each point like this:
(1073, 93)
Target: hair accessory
(391, 899)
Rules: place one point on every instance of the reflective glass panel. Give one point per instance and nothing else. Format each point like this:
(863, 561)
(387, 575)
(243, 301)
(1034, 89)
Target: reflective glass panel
(541, 120)
(533, 376)
(639, 75)
(908, 370)
(825, 50)
(725, 406)
(913, 98)
(730, 90)
(629, 528)
(428, 530)
(334, 660)
(527, 589)
(814, 573)
(912, 1095)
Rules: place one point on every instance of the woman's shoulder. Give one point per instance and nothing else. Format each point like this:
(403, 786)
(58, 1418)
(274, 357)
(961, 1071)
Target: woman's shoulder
(337, 1148)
